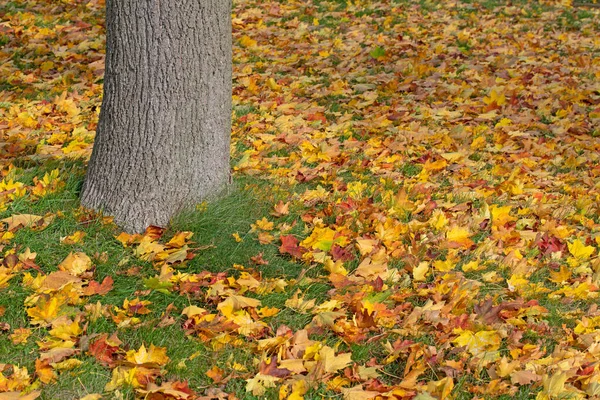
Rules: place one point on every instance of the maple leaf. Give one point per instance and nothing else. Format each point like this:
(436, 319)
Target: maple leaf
(501, 215)
(234, 303)
(15, 222)
(93, 396)
(524, 377)
(459, 237)
(280, 209)
(73, 239)
(57, 280)
(20, 396)
(331, 361)
(215, 373)
(105, 349)
(44, 371)
(246, 41)
(76, 264)
(153, 357)
(298, 303)
(20, 335)
(167, 390)
(323, 238)
(156, 283)
(65, 329)
(271, 368)
(122, 376)
(46, 310)
(180, 239)
(480, 342)
(358, 393)
(579, 250)
(5, 276)
(289, 245)
(99, 288)
(259, 384)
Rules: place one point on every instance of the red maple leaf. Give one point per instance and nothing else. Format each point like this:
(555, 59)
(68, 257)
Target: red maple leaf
(289, 245)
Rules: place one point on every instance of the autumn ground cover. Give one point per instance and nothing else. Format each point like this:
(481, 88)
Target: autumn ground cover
(415, 212)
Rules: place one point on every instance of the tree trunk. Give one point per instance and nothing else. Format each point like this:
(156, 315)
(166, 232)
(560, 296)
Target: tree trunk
(162, 141)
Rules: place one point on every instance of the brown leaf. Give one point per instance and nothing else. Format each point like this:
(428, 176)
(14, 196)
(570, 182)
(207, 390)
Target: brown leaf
(271, 368)
(524, 377)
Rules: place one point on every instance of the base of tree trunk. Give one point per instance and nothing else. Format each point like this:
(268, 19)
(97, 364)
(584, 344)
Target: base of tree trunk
(162, 142)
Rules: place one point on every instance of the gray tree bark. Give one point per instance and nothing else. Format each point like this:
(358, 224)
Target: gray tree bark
(162, 141)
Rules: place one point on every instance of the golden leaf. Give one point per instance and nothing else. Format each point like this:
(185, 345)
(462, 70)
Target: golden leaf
(298, 303)
(421, 271)
(459, 237)
(579, 250)
(46, 310)
(154, 356)
(234, 303)
(76, 263)
(73, 239)
(331, 361)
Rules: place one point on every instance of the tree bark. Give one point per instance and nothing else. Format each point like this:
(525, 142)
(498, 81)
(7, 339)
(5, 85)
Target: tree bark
(162, 141)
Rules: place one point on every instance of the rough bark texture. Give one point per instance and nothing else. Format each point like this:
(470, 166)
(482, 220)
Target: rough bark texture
(162, 141)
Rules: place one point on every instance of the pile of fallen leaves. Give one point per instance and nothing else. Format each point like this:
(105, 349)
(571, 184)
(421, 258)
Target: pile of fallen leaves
(443, 161)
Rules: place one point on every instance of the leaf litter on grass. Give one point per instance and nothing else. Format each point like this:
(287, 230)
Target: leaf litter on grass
(432, 167)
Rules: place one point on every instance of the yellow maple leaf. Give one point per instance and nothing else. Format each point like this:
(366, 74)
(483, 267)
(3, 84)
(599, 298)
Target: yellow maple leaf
(76, 263)
(67, 365)
(20, 335)
(459, 237)
(27, 120)
(561, 276)
(421, 271)
(358, 393)
(331, 361)
(66, 330)
(180, 239)
(579, 250)
(73, 239)
(438, 219)
(259, 384)
(441, 388)
(504, 367)
(246, 41)
(299, 388)
(25, 220)
(299, 304)
(234, 303)
(267, 311)
(93, 396)
(46, 310)
(5, 276)
(123, 376)
(263, 224)
(554, 386)
(444, 266)
(480, 342)
(501, 215)
(366, 246)
(495, 97)
(322, 238)
(154, 356)
(471, 266)
(44, 371)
